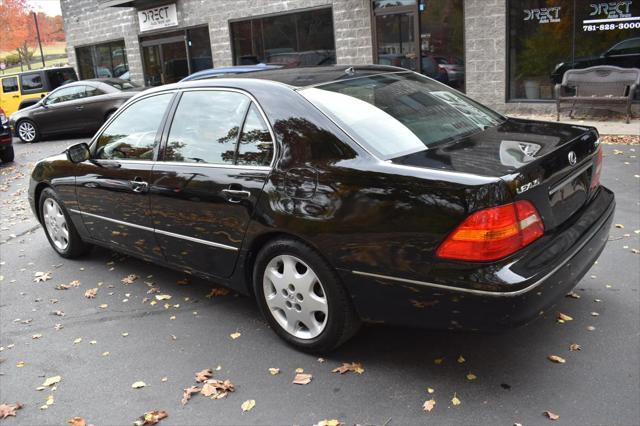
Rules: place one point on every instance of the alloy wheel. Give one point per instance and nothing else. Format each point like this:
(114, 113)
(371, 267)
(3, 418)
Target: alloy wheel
(26, 131)
(295, 297)
(56, 224)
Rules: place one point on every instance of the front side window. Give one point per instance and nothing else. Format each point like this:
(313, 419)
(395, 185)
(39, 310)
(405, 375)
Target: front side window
(401, 113)
(205, 127)
(132, 134)
(31, 82)
(66, 94)
(9, 84)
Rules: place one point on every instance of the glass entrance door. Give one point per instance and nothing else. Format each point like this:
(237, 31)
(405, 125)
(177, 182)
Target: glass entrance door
(396, 34)
(152, 65)
(165, 61)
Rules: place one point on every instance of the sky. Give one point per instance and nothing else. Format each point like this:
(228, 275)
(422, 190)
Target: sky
(49, 7)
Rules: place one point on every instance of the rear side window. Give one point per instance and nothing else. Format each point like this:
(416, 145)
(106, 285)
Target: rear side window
(29, 82)
(93, 91)
(206, 127)
(132, 134)
(9, 84)
(255, 147)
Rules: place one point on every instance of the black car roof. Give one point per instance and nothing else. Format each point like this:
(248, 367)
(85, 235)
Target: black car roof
(310, 76)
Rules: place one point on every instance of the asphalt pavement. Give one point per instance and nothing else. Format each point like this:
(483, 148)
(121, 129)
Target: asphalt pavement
(105, 344)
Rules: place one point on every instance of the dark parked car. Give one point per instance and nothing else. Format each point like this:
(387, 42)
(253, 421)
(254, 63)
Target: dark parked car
(6, 147)
(371, 193)
(79, 107)
(625, 54)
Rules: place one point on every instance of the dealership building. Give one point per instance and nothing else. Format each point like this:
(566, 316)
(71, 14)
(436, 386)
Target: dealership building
(505, 53)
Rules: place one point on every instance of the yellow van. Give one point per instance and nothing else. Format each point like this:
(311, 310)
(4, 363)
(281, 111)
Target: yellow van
(26, 88)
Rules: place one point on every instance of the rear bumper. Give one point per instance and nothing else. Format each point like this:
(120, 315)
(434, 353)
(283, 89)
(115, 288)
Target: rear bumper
(490, 296)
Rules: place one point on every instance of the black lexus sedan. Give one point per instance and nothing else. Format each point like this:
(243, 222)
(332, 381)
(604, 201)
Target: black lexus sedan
(78, 107)
(338, 195)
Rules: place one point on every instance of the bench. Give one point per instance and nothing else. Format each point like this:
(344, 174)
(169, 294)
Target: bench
(604, 87)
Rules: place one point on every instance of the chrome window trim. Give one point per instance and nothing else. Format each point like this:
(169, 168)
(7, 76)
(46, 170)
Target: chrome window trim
(530, 287)
(219, 166)
(274, 141)
(159, 231)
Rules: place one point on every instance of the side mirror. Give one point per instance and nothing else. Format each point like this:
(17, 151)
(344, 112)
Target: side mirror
(78, 153)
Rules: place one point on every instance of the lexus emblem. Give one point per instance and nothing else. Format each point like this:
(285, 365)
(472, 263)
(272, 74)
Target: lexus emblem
(572, 158)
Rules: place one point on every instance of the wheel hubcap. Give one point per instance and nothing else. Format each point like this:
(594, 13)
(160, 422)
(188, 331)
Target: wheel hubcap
(56, 223)
(26, 131)
(295, 297)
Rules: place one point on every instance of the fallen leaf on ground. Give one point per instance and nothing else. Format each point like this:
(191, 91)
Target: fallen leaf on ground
(302, 379)
(76, 421)
(217, 389)
(455, 400)
(590, 328)
(299, 370)
(274, 371)
(129, 279)
(217, 291)
(595, 314)
(563, 317)
(78, 340)
(356, 367)
(49, 400)
(326, 422)
(619, 226)
(52, 381)
(20, 364)
(557, 359)
(7, 410)
(138, 385)
(552, 416)
(203, 375)
(186, 395)
(430, 390)
(248, 405)
(36, 336)
(471, 377)
(574, 347)
(428, 405)
(42, 276)
(235, 335)
(461, 359)
(58, 313)
(438, 361)
(573, 295)
(91, 293)
(58, 327)
(163, 296)
(151, 418)
(125, 334)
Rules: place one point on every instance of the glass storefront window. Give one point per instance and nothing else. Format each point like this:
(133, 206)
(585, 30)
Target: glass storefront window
(426, 36)
(548, 37)
(293, 39)
(103, 61)
(442, 41)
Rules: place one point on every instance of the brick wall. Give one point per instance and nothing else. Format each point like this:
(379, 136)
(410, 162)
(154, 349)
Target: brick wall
(485, 51)
(86, 23)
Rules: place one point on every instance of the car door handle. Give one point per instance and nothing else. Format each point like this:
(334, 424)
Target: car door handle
(235, 195)
(79, 108)
(138, 185)
(16, 96)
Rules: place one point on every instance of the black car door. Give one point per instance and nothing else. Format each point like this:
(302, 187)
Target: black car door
(215, 161)
(112, 188)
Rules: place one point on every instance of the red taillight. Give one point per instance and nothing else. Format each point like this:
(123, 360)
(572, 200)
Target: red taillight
(493, 233)
(597, 168)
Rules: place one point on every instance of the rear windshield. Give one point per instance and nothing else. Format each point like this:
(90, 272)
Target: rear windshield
(397, 114)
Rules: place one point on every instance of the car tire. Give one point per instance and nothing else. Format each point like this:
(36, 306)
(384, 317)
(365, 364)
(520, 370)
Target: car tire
(309, 309)
(58, 227)
(7, 154)
(27, 131)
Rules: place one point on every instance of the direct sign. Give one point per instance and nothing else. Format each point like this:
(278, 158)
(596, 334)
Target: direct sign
(158, 17)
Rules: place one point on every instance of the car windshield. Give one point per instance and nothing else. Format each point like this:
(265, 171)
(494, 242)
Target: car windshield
(121, 85)
(397, 114)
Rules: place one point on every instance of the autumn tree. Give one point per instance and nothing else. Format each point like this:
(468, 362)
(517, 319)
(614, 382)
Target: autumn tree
(18, 30)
